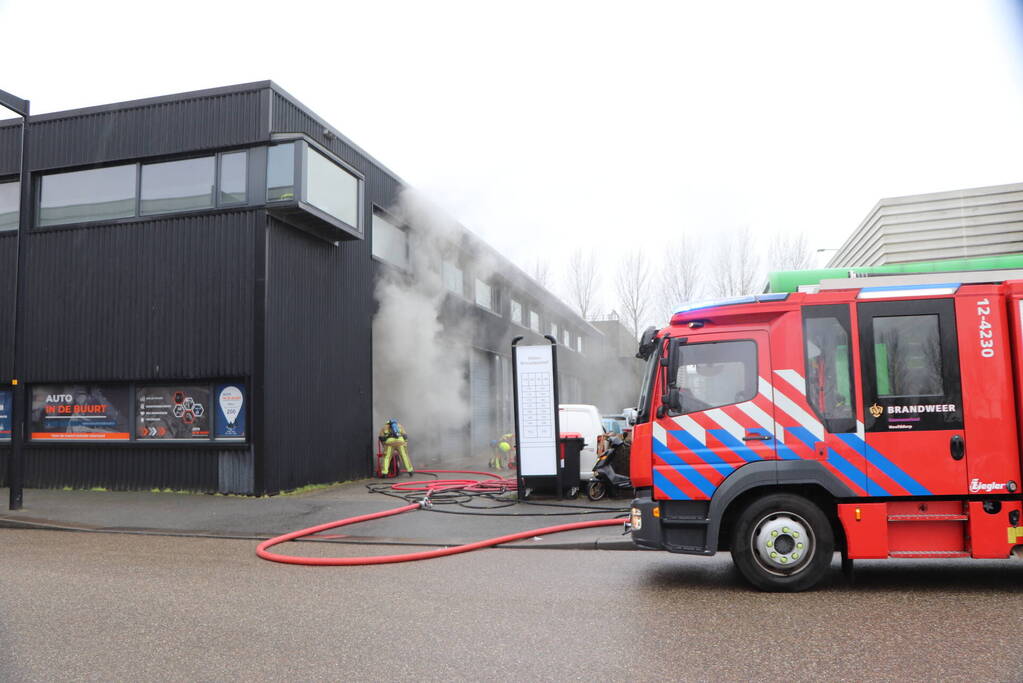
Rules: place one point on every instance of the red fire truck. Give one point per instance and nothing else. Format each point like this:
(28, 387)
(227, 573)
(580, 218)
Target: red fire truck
(878, 417)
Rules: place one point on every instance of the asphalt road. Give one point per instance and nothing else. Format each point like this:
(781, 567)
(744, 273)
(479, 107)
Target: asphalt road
(116, 607)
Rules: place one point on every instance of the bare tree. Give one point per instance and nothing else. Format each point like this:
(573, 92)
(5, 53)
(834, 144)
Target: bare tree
(632, 283)
(735, 264)
(542, 272)
(680, 273)
(790, 251)
(583, 279)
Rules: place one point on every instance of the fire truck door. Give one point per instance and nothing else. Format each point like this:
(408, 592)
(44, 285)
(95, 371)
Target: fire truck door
(723, 419)
(914, 441)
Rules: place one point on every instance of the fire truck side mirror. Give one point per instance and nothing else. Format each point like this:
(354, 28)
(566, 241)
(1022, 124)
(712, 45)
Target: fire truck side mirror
(647, 343)
(671, 402)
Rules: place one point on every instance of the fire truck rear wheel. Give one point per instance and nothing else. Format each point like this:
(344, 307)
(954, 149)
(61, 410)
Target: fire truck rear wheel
(783, 542)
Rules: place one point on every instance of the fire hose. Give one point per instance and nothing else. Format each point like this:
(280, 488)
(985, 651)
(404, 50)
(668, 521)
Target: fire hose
(429, 487)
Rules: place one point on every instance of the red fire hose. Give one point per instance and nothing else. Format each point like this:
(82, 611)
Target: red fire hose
(429, 487)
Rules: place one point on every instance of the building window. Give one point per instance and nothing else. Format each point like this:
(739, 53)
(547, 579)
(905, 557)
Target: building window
(566, 339)
(579, 344)
(452, 276)
(280, 173)
(93, 195)
(330, 188)
(166, 187)
(390, 243)
(554, 331)
(484, 295)
(185, 185)
(233, 178)
(534, 321)
(516, 312)
(9, 202)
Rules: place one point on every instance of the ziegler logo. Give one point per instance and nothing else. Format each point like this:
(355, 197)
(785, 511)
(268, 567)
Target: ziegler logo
(876, 410)
(976, 486)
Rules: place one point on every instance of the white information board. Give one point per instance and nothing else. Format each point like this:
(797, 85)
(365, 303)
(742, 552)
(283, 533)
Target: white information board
(538, 442)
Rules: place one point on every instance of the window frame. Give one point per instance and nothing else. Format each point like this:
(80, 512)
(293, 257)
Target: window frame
(138, 216)
(37, 202)
(218, 189)
(491, 306)
(453, 263)
(14, 181)
(678, 347)
(840, 313)
(404, 229)
(511, 311)
(951, 379)
(215, 189)
(299, 212)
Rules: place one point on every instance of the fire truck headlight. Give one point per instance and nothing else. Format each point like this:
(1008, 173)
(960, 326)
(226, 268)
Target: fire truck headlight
(636, 519)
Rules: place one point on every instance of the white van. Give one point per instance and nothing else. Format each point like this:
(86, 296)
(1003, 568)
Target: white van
(582, 419)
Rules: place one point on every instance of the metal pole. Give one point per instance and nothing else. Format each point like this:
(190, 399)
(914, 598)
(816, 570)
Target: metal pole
(19, 414)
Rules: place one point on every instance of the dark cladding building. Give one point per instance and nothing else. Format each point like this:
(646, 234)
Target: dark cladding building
(196, 296)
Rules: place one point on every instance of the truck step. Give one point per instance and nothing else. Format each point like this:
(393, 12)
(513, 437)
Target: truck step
(928, 517)
(913, 554)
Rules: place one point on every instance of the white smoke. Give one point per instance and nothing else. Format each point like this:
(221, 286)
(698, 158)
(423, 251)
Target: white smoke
(420, 364)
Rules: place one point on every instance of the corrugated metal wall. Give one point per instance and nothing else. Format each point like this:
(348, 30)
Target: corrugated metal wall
(168, 298)
(122, 468)
(318, 385)
(10, 149)
(7, 258)
(985, 221)
(147, 128)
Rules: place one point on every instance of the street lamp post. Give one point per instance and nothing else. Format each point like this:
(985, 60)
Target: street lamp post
(16, 462)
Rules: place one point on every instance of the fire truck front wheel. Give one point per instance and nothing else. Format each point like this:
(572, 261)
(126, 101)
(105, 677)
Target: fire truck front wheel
(782, 542)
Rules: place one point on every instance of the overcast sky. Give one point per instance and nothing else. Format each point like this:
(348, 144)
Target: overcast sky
(547, 125)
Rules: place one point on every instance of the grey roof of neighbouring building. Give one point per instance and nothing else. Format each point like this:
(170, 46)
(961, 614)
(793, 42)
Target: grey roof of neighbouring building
(984, 221)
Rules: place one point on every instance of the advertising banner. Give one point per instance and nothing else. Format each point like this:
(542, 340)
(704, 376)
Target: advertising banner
(6, 396)
(172, 412)
(80, 412)
(230, 406)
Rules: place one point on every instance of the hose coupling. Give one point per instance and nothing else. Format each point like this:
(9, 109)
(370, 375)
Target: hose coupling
(426, 503)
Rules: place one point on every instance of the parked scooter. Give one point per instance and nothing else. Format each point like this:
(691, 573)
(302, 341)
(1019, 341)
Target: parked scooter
(610, 472)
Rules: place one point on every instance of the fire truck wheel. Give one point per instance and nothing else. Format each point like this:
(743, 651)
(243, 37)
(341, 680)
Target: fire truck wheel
(596, 489)
(782, 542)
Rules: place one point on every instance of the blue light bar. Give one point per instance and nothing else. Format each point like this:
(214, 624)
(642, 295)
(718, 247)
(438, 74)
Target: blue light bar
(894, 291)
(734, 301)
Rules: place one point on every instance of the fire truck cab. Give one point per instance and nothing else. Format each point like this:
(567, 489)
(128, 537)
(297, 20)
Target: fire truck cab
(878, 417)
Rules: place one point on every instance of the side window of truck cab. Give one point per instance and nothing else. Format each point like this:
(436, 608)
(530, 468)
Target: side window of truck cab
(715, 374)
(827, 348)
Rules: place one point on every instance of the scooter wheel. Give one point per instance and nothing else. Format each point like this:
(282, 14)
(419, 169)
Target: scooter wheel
(596, 489)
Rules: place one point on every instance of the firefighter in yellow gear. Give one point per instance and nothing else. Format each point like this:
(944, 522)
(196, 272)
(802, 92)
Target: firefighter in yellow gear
(393, 437)
(505, 446)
